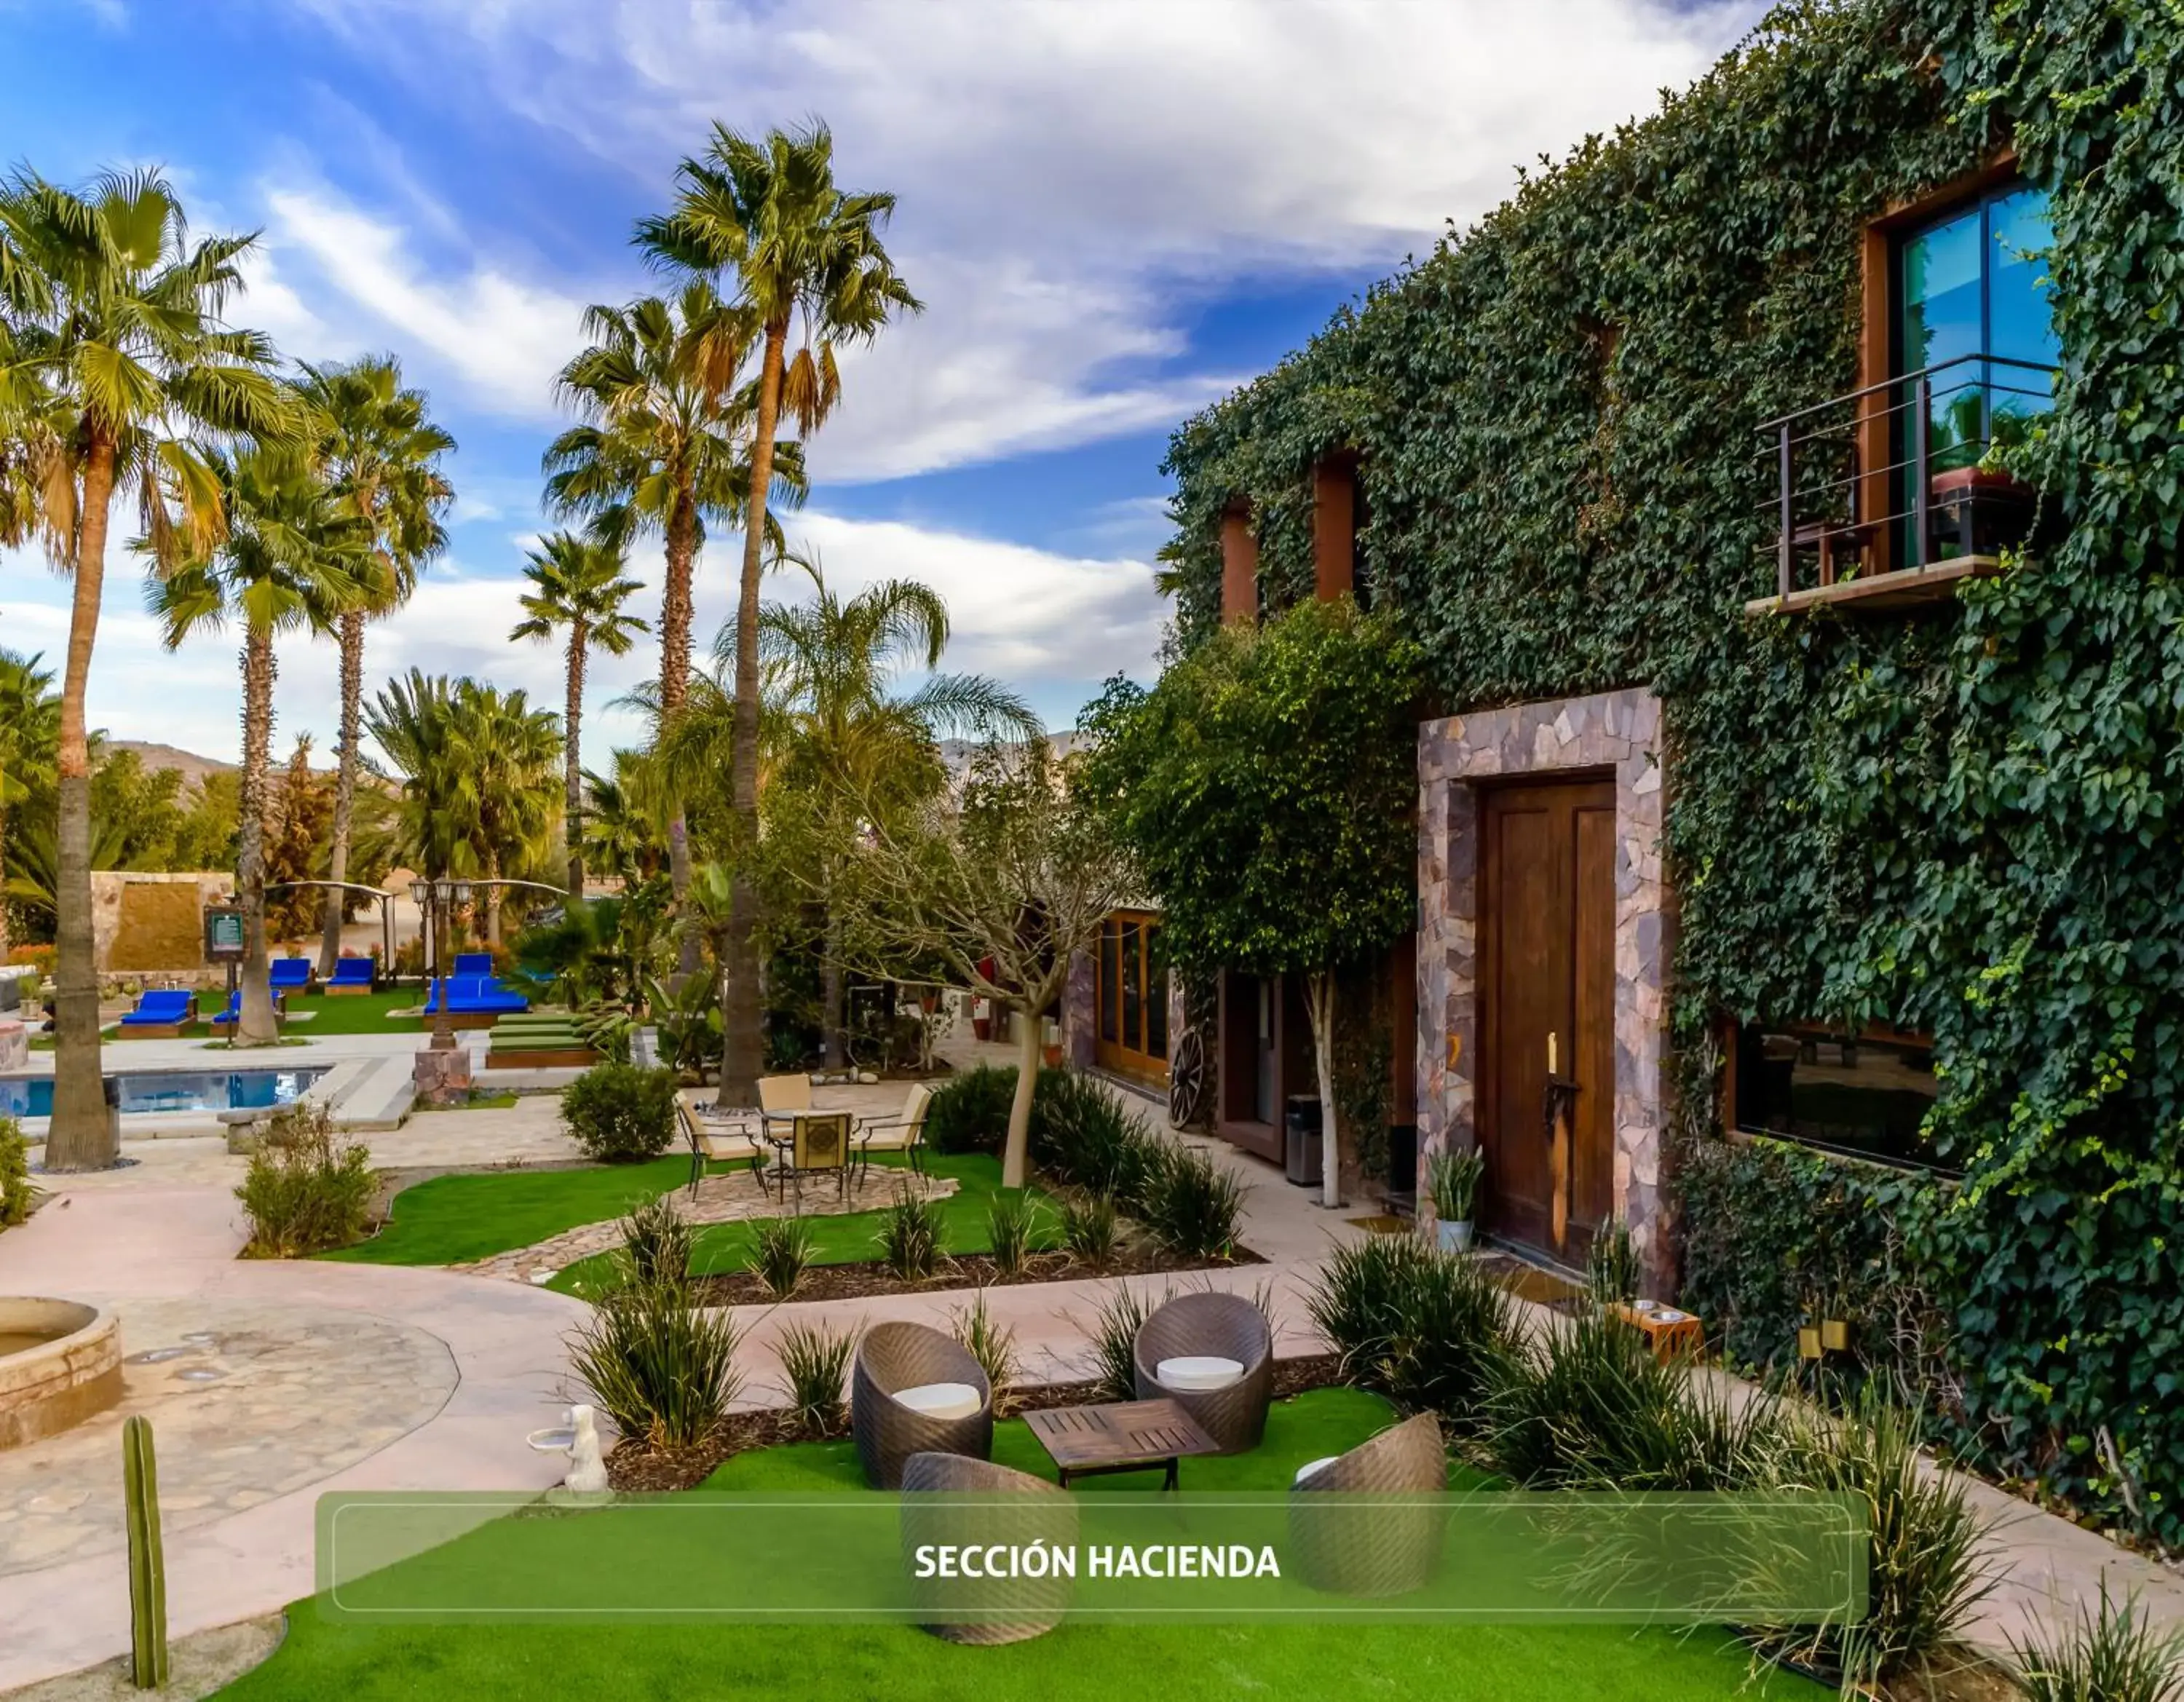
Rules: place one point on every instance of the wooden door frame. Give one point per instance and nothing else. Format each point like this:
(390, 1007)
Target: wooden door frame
(1616, 730)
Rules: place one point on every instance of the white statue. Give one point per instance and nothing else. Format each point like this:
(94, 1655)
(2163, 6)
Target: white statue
(587, 1467)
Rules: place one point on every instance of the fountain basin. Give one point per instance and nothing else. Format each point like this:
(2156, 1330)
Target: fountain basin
(60, 1362)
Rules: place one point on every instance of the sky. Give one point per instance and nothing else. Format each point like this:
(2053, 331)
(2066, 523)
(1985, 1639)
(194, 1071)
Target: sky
(1115, 211)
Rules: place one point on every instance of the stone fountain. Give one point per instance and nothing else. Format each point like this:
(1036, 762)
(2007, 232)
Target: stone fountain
(60, 1362)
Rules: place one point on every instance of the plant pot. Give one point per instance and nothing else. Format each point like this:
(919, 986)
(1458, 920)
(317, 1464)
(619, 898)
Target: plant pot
(1808, 1342)
(1053, 1056)
(1454, 1238)
(1834, 1334)
(982, 1026)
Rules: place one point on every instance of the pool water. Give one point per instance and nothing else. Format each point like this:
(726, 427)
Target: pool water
(227, 1090)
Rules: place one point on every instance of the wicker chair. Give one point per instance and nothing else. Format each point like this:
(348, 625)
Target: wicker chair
(1211, 1326)
(899, 1356)
(1360, 1544)
(1022, 1511)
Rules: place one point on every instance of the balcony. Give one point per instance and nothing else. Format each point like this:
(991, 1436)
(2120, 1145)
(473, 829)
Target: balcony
(1884, 498)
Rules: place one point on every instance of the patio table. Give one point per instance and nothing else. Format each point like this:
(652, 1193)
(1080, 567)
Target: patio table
(1120, 1436)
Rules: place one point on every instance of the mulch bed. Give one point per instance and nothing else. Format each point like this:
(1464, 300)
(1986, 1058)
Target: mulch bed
(633, 1466)
(864, 1280)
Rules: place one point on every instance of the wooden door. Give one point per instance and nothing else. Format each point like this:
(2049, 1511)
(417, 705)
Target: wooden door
(1547, 909)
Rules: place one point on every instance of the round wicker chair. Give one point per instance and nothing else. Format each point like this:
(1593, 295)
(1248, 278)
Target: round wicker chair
(1021, 1510)
(1211, 1326)
(1361, 1544)
(895, 1357)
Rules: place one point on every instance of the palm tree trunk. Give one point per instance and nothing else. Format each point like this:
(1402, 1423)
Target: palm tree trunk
(742, 1044)
(572, 766)
(351, 715)
(493, 899)
(254, 1024)
(675, 615)
(3, 881)
(81, 1136)
(833, 991)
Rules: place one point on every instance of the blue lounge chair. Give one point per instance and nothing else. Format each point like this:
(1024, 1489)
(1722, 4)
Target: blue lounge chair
(291, 974)
(225, 1023)
(163, 1013)
(474, 1001)
(473, 964)
(351, 975)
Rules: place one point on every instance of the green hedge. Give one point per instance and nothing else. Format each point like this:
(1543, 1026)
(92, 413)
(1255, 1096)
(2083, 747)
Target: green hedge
(1962, 819)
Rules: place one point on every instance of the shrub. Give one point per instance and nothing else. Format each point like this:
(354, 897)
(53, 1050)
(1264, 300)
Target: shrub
(621, 1112)
(1081, 1133)
(661, 1368)
(1452, 1179)
(782, 1250)
(993, 1345)
(1115, 1329)
(1088, 1229)
(910, 1235)
(2115, 1656)
(1610, 1265)
(1191, 1204)
(306, 1191)
(655, 1245)
(1927, 1567)
(814, 1360)
(1429, 1330)
(1011, 1222)
(969, 1113)
(15, 1173)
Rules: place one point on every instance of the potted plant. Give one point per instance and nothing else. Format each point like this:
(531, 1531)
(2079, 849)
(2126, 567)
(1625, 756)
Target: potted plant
(1452, 1179)
(982, 1018)
(1050, 1035)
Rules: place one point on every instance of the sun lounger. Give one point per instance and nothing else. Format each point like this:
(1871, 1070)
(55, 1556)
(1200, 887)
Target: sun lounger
(163, 1014)
(473, 964)
(351, 974)
(291, 974)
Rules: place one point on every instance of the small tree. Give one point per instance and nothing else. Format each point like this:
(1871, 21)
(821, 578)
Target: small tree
(1003, 884)
(1266, 788)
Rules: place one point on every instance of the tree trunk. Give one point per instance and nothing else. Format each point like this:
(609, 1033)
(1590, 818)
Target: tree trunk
(833, 991)
(1015, 1153)
(675, 616)
(351, 715)
(572, 766)
(3, 878)
(255, 1025)
(81, 1136)
(1319, 1006)
(742, 1042)
(492, 899)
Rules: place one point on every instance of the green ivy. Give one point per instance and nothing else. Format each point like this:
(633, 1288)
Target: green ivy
(1962, 819)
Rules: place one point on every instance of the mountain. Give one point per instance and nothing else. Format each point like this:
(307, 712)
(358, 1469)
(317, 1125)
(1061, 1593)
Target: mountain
(192, 768)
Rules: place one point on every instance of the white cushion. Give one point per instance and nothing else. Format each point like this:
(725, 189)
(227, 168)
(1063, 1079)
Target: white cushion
(1201, 1375)
(1305, 1471)
(940, 1399)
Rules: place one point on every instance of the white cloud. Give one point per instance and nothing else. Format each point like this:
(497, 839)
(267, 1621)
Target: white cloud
(1062, 167)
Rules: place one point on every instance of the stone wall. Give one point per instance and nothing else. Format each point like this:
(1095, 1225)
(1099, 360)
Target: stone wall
(1616, 731)
(152, 924)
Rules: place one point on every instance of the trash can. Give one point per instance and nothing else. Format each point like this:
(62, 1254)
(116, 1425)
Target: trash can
(112, 1085)
(1301, 1140)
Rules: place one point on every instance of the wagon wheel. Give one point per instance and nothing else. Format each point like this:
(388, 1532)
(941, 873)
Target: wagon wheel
(1186, 1078)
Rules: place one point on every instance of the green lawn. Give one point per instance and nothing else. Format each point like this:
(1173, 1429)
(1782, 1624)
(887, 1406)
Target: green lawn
(847, 1239)
(452, 1219)
(321, 1661)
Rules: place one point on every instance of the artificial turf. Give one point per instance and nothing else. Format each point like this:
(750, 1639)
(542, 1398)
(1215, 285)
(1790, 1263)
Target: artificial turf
(855, 1235)
(324, 1661)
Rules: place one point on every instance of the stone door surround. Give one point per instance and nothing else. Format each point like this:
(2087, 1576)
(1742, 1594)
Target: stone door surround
(1620, 732)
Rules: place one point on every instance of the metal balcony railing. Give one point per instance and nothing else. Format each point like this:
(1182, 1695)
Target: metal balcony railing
(1893, 477)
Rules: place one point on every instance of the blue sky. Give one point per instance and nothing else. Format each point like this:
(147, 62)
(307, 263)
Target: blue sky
(1115, 209)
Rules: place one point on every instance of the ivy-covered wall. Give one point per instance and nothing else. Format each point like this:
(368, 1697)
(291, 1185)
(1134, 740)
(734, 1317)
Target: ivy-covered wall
(1964, 819)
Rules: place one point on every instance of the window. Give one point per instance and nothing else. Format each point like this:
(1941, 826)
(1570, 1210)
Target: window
(1972, 301)
(1862, 1092)
(1130, 987)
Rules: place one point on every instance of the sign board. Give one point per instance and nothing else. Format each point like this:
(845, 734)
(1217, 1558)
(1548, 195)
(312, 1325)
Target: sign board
(223, 934)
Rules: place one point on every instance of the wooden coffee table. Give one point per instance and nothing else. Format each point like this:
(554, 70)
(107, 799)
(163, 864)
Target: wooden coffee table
(1127, 1436)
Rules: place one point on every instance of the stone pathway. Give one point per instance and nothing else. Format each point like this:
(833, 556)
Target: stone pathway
(733, 1198)
(246, 1402)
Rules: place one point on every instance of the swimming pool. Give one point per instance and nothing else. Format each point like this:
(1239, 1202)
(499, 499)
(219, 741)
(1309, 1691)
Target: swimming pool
(169, 1091)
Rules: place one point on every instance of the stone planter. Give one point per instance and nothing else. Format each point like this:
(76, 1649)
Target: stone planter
(70, 1368)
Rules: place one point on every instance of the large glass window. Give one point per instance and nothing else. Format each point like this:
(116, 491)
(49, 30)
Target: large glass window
(1862, 1092)
(1971, 289)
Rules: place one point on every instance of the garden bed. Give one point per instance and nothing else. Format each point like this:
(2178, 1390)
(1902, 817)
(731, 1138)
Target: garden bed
(868, 1278)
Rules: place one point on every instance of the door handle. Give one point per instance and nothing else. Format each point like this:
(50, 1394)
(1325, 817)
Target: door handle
(1550, 1053)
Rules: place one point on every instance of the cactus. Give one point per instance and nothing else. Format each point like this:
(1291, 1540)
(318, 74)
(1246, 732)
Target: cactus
(147, 1565)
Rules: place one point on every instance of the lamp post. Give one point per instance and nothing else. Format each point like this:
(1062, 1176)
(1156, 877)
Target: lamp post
(444, 895)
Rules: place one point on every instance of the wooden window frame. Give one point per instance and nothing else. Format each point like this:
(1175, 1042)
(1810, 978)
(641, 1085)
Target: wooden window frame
(1122, 1054)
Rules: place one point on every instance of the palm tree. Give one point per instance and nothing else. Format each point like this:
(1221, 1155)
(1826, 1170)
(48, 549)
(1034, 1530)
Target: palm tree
(666, 444)
(846, 737)
(580, 586)
(294, 557)
(116, 317)
(30, 728)
(381, 456)
(621, 831)
(805, 256)
(503, 753)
